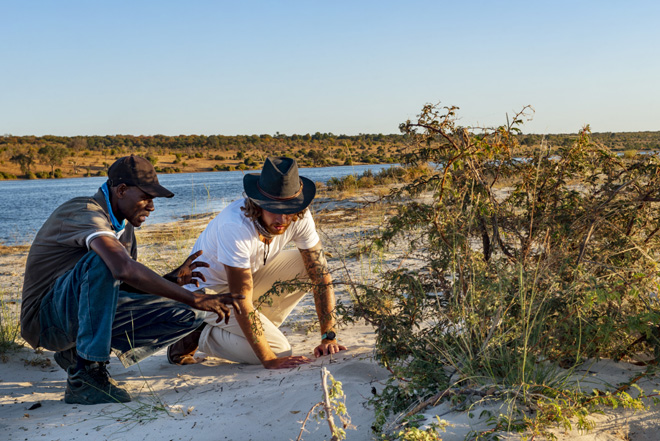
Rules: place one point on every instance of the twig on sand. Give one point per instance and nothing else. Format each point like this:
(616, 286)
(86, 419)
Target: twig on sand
(328, 404)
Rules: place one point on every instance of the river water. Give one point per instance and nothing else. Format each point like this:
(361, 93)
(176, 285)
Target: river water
(25, 205)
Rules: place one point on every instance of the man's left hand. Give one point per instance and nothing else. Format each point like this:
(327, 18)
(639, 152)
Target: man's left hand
(186, 273)
(327, 348)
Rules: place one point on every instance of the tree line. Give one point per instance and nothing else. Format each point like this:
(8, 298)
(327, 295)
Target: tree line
(53, 154)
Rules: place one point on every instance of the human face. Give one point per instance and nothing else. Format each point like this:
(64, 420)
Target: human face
(134, 205)
(275, 223)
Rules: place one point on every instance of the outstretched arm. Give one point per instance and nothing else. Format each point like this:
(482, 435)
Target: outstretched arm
(324, 297)
(127, 270)
(183, 275)
(240, 282)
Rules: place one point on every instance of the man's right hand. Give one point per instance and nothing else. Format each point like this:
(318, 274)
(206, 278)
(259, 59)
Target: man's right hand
(286, 362)
(218, 304)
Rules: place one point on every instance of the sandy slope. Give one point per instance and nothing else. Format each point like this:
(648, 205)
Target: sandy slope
(213, 400)
(217, 400)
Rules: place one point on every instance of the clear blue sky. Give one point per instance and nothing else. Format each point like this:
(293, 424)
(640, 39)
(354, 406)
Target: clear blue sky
(347, 67)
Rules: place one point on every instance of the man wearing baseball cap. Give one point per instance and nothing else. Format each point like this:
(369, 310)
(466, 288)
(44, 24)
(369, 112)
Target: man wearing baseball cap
(85, 294)
(244, 249)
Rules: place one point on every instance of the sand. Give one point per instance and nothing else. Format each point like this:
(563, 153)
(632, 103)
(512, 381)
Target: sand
(219, 400)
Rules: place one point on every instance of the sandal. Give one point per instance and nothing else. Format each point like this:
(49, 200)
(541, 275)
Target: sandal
(179, 359)
(189, 343)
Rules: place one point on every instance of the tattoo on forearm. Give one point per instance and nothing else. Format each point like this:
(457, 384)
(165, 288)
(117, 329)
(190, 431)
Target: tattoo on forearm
(256, 325)
(324, 297)
(317, 266)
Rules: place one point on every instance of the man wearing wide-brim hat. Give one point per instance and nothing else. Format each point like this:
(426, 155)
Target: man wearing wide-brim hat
(244, 248)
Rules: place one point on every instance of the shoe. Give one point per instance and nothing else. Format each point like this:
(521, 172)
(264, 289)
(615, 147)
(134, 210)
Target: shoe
(183, 351)
(93, 385)
(67, 358)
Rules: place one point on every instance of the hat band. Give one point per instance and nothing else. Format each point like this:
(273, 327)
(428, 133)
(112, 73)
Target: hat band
(270, 196)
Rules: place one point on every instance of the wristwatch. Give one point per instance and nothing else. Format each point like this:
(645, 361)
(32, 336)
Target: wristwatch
(330, 335)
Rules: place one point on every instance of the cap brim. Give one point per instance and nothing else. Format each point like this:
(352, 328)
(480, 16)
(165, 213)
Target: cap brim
(290, 206)
(156, 191)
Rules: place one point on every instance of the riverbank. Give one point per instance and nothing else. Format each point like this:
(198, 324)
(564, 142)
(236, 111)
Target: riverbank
(211, 400)
(217, 400)
(58, 161)
(25, 205)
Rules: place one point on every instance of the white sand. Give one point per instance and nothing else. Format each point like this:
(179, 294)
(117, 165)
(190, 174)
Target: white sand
(218, 400)
(213, 400)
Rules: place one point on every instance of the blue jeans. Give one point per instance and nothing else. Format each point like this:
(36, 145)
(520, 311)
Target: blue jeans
(86, 309)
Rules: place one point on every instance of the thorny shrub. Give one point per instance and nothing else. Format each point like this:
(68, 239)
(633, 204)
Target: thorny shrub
(529, 263)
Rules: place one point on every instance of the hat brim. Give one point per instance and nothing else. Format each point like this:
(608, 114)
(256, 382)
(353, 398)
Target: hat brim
(290, 206)
(156, 191)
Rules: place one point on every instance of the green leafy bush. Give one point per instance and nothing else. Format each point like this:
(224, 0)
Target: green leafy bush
(7, 176)
(529, 262)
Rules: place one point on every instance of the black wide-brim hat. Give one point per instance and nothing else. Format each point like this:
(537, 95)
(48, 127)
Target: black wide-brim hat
(278, 188)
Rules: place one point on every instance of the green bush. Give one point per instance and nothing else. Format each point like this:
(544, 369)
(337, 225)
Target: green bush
(7, 176)
(342, 184)
(367, 179)
(529, 263)
(366, 182)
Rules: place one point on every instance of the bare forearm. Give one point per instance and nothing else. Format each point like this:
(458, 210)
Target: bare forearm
(253, 331)
(240, 281)
(146, 280)
(128, 271)
(324, 301)
(324, 294)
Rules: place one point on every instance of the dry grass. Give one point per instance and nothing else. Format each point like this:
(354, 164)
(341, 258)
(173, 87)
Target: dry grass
(13, 249)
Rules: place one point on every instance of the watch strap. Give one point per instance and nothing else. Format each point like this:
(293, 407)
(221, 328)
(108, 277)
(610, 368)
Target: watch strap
(330, 335)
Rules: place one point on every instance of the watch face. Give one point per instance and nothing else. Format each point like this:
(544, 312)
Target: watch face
(330, 335)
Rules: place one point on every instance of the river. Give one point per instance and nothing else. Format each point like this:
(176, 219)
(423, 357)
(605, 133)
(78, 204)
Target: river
(25, 205)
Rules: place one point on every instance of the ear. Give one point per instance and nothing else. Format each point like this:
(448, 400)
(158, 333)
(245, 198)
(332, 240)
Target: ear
(120, 190)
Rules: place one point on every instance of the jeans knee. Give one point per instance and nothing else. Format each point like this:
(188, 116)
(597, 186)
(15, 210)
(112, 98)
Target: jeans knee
(189, 318)
(93, 262)
(199, 317)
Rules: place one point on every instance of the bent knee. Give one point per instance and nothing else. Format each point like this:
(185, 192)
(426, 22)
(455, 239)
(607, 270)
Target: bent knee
(101, 269)
(200, 316)
(281, 347)
(287, 353)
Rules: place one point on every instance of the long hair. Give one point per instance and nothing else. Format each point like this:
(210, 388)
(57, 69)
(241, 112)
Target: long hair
(252, 211)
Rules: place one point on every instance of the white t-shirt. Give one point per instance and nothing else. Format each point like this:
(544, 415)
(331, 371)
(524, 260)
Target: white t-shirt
(231, 239)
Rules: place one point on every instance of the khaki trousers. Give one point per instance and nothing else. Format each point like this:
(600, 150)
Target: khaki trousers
(228, 341)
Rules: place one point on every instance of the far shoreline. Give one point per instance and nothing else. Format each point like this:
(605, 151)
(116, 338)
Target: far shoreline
(189, 170)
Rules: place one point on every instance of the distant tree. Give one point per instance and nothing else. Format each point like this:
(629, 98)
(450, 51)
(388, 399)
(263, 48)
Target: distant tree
(214, 142)
(24, 160)
(53, 156)
(78, 144)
